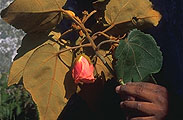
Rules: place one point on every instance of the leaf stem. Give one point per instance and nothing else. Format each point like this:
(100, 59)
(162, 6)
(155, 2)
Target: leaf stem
(154, 80)
(121, 82)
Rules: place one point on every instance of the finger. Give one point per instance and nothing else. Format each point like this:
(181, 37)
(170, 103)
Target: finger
(142, 107)
(157, 89)
(150, 86)
(136, 91)
(130, 98)
(125, 97)
(141, 92)
(118, 89)
(144, 118)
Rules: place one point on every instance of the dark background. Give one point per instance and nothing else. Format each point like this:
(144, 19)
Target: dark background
(15, 102)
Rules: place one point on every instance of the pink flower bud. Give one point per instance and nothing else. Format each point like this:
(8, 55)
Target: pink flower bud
(83, 71)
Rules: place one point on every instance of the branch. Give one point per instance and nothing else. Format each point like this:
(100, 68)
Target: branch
(104, 42)
(104, 34)
(79, 23)
(100, 33)
(110, 27)
(66, 32)
(84, 20)
(95, 49)
(75, 47)
(125, 21)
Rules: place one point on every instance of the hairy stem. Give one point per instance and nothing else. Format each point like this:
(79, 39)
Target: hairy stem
(66, 32)
(75, 47)
(100, 33)
(95, 49)
(107, 29)
(104, 42)
(81, 25)
(93, 12)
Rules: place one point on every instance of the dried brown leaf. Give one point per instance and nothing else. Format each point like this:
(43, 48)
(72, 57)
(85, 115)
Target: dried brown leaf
(34, 15)
(44, 77)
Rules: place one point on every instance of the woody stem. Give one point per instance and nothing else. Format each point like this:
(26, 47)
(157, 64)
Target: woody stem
(81, 25)
(75, 47)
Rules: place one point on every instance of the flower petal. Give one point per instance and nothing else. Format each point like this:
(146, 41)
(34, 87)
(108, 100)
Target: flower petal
(83, 71)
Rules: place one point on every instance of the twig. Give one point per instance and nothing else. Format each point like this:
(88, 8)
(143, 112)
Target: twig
(66, 32)
(84, 20)
(85, 14)
(110, 27)
(123, 36)
(95, 49)
(104, 42)
(100, 33)
(79, 23)
(114, 24)
(75, 47)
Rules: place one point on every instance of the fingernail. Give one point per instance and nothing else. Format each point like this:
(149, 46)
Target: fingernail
(122, 104)
(118, 89)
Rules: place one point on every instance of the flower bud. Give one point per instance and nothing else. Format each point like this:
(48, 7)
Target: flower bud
(83, 71)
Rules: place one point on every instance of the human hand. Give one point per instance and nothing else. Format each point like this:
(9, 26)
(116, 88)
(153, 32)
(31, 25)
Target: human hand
(143, 101)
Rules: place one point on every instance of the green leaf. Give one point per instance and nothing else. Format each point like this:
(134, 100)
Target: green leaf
(34, 15)
(45, 77)
(18, 109)
(137, 57)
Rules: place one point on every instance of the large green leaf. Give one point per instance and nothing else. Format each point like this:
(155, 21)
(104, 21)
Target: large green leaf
(29, 44)
(137, 57)
(127, 14)
(45, 77)
(34, 15)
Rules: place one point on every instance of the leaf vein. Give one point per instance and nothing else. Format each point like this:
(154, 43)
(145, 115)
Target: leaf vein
(135, 63)
(51, 87)
(143, 49)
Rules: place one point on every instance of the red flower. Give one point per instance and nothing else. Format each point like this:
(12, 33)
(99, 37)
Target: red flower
(83, 71)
